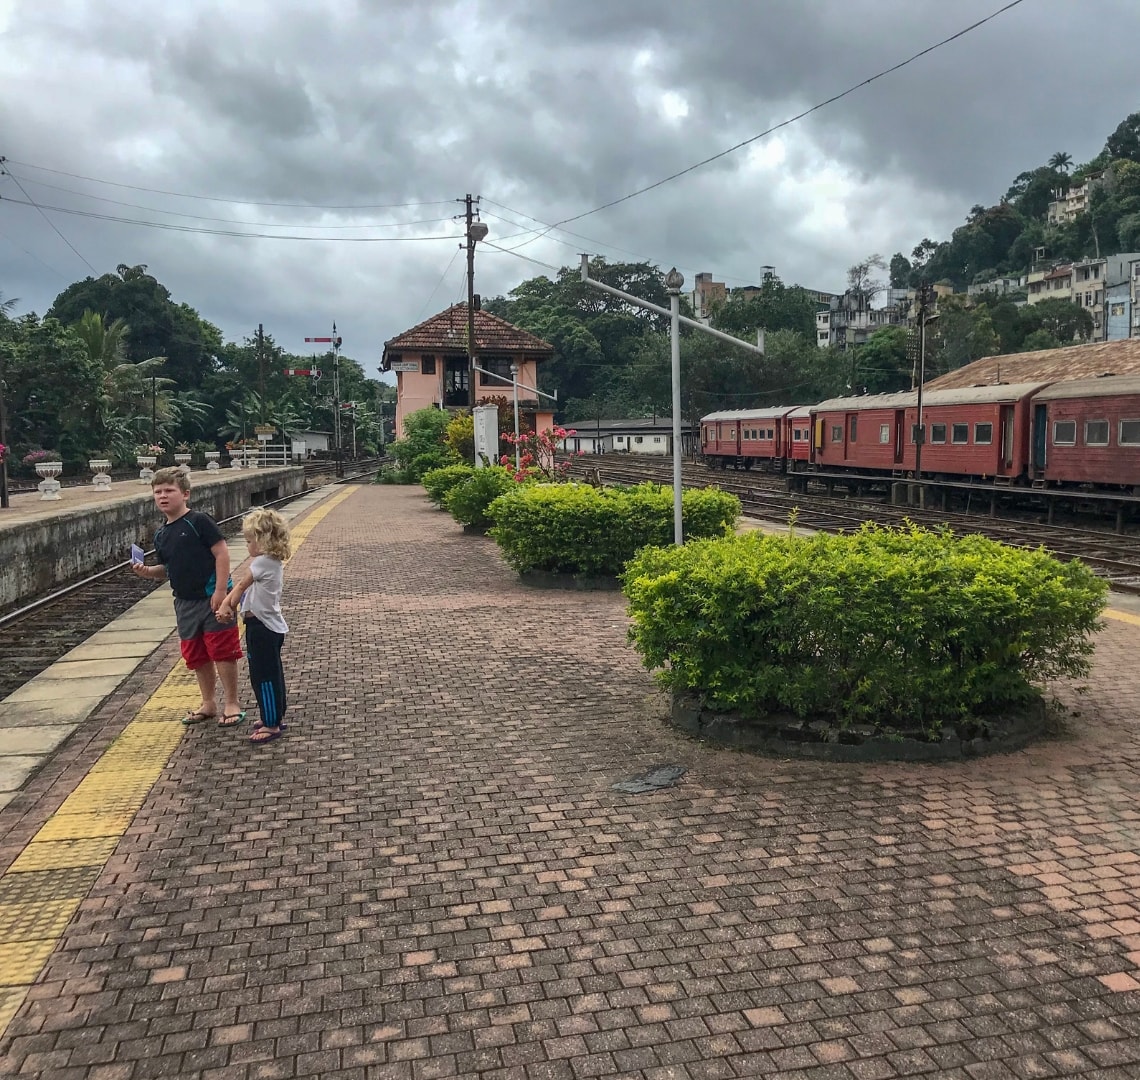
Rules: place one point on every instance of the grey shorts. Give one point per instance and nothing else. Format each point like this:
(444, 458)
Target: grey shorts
(196, 618)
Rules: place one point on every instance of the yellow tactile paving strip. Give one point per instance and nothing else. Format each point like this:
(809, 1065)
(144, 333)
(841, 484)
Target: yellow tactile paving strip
(41, 890)
(1122, 616)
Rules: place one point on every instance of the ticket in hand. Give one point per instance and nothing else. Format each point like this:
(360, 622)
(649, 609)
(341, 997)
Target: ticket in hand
(137, 554)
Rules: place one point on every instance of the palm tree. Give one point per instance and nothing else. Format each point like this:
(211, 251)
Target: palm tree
(106, 341)
(1061, 161)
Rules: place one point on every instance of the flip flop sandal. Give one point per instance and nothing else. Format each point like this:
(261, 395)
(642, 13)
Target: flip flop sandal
(257, 724)
(197, 717)
(261, 735)
(231, 719)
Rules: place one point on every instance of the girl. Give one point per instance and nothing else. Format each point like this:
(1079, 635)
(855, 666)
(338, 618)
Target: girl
(257, 593)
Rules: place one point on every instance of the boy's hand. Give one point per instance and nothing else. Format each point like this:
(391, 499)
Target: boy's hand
(218, 599)
(139, 570)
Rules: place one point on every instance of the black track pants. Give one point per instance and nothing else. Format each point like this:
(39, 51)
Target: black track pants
(263, 647)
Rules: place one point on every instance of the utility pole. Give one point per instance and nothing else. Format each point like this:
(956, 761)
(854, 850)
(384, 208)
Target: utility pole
(474, 231)
(335, 341)
(4, 504)
(920, 428)
(261, 367)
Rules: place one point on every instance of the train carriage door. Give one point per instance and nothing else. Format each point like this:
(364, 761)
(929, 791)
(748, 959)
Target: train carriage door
(1040, 431)
(851, 436)
(1007, 436)
(900, 425)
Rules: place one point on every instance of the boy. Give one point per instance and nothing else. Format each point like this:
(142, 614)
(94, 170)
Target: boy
(195, 557)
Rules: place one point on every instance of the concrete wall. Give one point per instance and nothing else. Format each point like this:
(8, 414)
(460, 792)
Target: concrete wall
(62, 544)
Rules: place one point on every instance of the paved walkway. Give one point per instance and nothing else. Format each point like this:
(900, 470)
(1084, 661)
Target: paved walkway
(431, 875)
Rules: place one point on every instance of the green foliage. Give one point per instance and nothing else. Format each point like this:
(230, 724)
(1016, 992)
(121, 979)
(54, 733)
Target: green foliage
(422, 448)
(883, 365)
(578, 529)
(460, 436)
(438, 482)
(469, 500)
(891, 628)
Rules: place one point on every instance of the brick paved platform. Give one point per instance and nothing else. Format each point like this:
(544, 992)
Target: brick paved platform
(430, 876)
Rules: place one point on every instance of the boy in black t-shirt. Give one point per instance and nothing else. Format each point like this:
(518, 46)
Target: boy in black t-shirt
(195, 557)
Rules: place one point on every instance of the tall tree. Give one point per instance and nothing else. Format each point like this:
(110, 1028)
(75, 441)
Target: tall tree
(1061, 161)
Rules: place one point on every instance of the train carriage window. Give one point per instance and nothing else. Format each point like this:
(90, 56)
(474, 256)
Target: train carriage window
(937, 432)
(836, 433)
(1096, 433)
(854, 427)
(959, 433)
(1129, 433)
(1064, 433)
(732, 434)
(884, 433)
(983, 434)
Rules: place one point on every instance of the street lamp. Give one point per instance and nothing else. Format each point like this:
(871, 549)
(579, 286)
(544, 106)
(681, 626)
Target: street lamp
(673, 282)
(476, 231)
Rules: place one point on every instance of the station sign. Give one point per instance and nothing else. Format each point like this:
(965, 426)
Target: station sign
(315, 372)
(406, 365)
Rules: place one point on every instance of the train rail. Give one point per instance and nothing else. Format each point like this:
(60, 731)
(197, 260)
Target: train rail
(36, 634)
(1114, 557)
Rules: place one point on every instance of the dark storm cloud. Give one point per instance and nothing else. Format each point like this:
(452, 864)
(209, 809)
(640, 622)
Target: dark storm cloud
(548, 108)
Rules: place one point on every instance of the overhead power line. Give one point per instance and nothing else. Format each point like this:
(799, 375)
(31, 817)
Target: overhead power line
(171, 227)
(783, 123)
(231, 199)
(32, 202)
(222, 220)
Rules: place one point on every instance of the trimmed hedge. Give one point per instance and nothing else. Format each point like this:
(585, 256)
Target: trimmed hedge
(579, 529)
(438, 482)
(469, 500)
(883, 627)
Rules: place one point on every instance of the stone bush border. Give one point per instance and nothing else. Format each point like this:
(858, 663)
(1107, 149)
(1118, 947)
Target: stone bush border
(820, 740)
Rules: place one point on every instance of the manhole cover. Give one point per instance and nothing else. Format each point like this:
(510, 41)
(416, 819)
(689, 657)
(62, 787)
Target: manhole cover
(660, 776)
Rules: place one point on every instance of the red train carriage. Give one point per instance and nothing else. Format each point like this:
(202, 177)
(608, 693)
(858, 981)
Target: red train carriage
(974, 432)
(865, 433)
(762, 436)
(1087, 431)
(797, 436)
(720, 437)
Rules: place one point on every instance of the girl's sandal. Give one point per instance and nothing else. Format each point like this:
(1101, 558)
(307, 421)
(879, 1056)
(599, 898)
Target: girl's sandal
(261, 735)
(231, 719)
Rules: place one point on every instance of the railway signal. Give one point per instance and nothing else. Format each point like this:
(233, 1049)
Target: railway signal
(335, 341)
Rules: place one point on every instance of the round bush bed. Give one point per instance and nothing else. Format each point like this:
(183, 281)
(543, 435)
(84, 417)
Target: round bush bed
(469, 499)
(581, 531)
(886, 634)
(438, 483)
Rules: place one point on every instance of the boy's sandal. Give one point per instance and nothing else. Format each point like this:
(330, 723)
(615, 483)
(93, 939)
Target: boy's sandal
(264, 734)
(197, 718)
(231, 719)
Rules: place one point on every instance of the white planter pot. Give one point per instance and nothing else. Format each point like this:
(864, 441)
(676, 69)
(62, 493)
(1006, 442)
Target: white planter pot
(101, 467)
(146, 464)
(49, 485)
(212, 460)
(183, 462)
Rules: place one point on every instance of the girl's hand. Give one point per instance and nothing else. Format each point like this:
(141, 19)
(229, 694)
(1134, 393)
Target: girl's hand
(224, 613)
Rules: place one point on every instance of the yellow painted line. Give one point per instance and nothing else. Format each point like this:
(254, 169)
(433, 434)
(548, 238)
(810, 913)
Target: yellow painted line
(41, 890)
(1122, 616)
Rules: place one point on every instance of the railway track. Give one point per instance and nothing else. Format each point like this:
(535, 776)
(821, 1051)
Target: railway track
(39, 632)
(1114, 557)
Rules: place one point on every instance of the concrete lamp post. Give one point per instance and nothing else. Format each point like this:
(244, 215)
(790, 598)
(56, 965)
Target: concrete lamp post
(673, 282)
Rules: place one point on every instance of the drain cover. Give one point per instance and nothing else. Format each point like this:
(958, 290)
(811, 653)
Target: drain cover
(660, 776)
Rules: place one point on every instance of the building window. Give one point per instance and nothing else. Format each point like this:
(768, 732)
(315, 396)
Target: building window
(497, 365)
(427, 365)
(1064, 433)
(854, 427)
(637, 439)
(1116, 309)
(959, 433)
(983, 434)
(1096, 433)
(1088, 299)
(938, 433)
(656, 438)
(836, 433)
(884, 433)
(1129, 433)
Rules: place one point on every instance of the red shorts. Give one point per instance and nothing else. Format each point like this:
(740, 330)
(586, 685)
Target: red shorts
(209, 648)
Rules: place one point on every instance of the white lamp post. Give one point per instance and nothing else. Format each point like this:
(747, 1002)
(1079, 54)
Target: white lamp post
(673, 282)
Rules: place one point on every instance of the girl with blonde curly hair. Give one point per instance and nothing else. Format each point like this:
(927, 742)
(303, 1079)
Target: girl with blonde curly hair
(257, 594)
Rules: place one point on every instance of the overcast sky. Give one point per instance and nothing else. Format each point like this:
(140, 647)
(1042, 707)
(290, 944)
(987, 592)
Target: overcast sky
(547, 108)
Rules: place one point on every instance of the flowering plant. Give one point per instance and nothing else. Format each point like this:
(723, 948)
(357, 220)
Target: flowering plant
(33, 457)
(182, 448)
(3, 451)
(151, 450)
(538, 454)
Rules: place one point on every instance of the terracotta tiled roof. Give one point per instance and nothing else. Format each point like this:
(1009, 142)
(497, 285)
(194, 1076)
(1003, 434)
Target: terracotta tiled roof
(447, 332)
(1047, 365)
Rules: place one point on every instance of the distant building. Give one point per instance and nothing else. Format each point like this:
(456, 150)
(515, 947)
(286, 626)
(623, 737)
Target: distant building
(1050, 283)
(1000, 286)
(707, 295)
(432, 369)
(638, 435)
(1067, 205)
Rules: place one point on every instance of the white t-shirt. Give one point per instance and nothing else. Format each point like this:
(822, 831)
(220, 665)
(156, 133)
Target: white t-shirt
(262, 599)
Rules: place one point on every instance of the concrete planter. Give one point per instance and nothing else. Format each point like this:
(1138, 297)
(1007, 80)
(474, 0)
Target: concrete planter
(212, 464)
(784, 735)
(549, 579)
(101, 467)
(146, 464)
(49, 485)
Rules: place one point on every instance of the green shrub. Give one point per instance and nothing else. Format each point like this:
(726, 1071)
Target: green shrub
(422, 447)
(468, 501)
(890, 628)
(393, 474)
(579, 529)
(438, 482)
